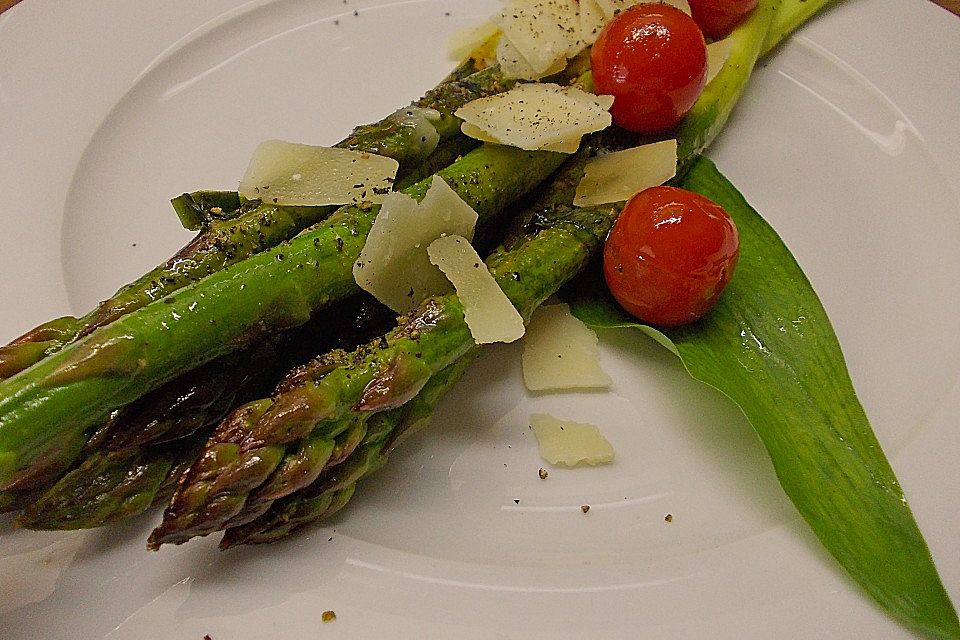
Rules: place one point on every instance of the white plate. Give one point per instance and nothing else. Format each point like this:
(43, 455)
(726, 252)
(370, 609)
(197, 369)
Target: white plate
(847, 141)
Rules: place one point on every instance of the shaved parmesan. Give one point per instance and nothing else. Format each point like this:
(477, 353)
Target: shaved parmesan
(466, 42)
(591, 21)
(563, 442)
(610, 8)
(561, 352)
(287, 173)
(476, 133)
(514, 65)
(394, 266)
(543, 31)
(616, 177)
(538, 116)
(486, 308)
(717, 54)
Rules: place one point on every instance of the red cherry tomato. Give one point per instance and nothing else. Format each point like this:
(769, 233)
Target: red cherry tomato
(717, 18)
(653, 60)
(670, 255)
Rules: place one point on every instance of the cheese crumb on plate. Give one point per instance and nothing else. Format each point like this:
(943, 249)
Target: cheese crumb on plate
(563, 442)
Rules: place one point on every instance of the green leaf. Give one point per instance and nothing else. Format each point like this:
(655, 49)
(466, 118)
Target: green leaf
(769, 347)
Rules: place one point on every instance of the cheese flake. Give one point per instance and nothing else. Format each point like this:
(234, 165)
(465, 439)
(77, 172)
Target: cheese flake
(471, 40)
(543, 31)
(617, 176)
(563, 442)
(486, 308)
(538, 116)
(288, 173)
(561, 352)
(592, 21)
(394, 265)
(514, 65)
(717, 54)
(475, 132)
(611, 8)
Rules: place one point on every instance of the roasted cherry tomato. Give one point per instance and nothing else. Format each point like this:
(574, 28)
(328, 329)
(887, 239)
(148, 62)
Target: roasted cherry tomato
(670, 255)
(717, 18)
(652, 59)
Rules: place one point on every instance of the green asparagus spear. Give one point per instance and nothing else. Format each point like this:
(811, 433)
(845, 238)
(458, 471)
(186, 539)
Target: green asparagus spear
(198, 209)
(261, 225)
(335, 487)
(55, 403)
(106, 487)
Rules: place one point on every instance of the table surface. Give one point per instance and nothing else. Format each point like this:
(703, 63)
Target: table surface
(950, 5)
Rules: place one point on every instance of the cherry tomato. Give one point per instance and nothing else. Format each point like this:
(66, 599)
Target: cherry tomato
(670, 255)
(653, 60)
(717, 18)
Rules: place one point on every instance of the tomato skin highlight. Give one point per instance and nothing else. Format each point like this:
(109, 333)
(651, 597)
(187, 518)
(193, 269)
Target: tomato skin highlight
(670, 255)
(717, 18)
(652, 58)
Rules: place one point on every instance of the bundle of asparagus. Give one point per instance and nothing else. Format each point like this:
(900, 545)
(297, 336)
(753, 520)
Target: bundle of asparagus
(254, 228)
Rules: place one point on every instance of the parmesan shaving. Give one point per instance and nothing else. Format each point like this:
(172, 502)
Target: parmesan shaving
(287, 173)
(616, 177)
(561, 352)
(466, 42)
(592, 21)
(394, 266)
(538, 116)
(567, 443)
(717, 54)
(514, 65)
(477, 133)
(543, 31)
(610, 8)
(486, 308)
